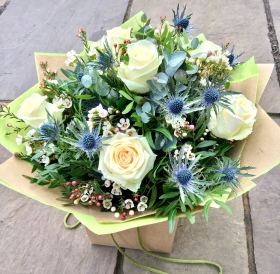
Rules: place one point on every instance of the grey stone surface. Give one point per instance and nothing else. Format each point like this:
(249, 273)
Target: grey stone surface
(242, 23)
(221, 240)
(29, 26)
(275, 11)
(265, 204)
(2, 2)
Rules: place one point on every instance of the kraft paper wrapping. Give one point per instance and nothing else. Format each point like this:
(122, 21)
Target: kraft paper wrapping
(261, 149)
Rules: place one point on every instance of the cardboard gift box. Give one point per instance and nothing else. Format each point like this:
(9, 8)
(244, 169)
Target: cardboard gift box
(154, 238)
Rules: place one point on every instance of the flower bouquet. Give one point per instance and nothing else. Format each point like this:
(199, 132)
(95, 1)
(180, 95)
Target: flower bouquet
(144, 126)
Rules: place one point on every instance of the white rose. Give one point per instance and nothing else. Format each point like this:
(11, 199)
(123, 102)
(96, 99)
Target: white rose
(117, 36)
(33, 110)
(205, 47)
(126, 160)
(237, 126)
(96, 45)
(143, 65)
(114, 36)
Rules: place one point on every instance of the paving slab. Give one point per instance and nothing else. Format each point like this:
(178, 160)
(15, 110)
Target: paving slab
(29, 26)
(275, 11)
(235, 23)
(265, 204)
(221, 240)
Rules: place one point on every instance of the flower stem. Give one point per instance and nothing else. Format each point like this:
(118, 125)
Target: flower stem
(173, 260)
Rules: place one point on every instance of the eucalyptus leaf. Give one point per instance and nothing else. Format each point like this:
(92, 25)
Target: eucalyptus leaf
(146, 107)
(174, 61)
(145, 118)
(86, 81)
(194, 43)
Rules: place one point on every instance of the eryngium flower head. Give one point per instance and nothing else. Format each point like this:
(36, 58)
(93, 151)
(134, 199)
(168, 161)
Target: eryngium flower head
(182, 21)
(184, 174)
(231, 172)
(213, 96)
(83, 138)
(49, 132)
(232, 59)
(176, 107)
(105, 60)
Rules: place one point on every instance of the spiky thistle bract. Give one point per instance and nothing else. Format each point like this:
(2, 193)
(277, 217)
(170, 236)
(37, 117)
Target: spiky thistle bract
(230, 172)
(182, 21)
(213, 96)
(185, 175)
(83, 138)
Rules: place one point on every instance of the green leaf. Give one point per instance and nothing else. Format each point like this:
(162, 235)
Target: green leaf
(206, 144)
(153, 196)
(206, 209)
(169, 195)
(224, 206)
(185, 36)
(128, 108)
(84, 97)
(190, 217)
(144, 18)
(191, 69)
(172, 220)
(149, 138)
(122, 102)
(164, 33)
(183, 207)
(68, 73)
(159, 211)
(200, 132)
(170, 207)
(165, 132)
(86, 81)
(124, 94)
(194, 43)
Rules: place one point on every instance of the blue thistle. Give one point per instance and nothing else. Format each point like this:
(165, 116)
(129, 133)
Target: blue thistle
(213, 96)
(176, 107)
(230, 172)
(181, 21)
(80, 75)
(184, 174)
(88, 142)
(184, 177)
(105, 59)
(83, 138)
(49, 132)
(232, 59)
